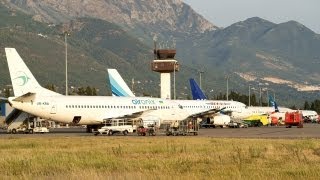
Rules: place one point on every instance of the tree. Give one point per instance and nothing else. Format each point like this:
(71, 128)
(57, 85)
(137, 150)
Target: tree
(51, 87)
(253, 100)
(293, 107)
(94, 92)
(7, 92)
(81, 91)
(306, 105)
(88, 91)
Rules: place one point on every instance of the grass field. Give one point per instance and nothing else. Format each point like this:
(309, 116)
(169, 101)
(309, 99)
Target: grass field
(36, 157)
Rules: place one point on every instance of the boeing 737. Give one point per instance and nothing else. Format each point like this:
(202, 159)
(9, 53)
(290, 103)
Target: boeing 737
(197, 108)
(31, 98)
(249, 110)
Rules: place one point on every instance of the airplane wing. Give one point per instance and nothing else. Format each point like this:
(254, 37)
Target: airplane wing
(206, 113)
(130, 116)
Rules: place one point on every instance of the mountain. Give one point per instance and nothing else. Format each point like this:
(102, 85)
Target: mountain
(152, 17)
(118, 34)
(94, 46)
(256, 50)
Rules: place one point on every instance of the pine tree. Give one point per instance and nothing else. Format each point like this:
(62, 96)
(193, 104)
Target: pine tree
(88, 91)
(306, 105)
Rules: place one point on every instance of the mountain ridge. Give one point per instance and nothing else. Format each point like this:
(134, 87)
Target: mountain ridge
(124, 12)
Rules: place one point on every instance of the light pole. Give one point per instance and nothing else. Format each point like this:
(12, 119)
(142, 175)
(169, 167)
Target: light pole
(227, 77)
(260, 97)
(132, 85)
(66, 33)
(268, 96)
(200, 77)
(174, 80)
(249, 94)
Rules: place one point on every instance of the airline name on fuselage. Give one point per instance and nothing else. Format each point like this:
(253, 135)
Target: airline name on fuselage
(143, 102)
(218, 103)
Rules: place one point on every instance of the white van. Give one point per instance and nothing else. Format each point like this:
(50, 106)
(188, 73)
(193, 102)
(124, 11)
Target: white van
(114, 126)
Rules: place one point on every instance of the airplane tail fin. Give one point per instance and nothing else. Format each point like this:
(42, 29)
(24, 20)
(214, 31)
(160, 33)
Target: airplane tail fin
(23, 81)
(118, 86)
(196, 91)
(273, 103)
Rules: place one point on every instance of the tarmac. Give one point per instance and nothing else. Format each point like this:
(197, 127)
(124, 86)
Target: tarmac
(278, 132)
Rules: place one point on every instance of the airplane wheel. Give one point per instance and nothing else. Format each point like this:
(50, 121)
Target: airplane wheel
(30, 131)
(125, 132)
(14, 131)
(110, 133)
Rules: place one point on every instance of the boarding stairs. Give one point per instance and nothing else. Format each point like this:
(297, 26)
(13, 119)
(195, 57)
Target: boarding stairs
(15, 119)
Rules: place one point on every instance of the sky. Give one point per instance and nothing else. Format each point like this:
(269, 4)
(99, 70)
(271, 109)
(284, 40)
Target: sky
(223, 13)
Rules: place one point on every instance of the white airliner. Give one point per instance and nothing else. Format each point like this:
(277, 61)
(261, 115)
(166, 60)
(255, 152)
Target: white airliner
(199, 108)
(274, 111)
(310, 114)
(30, 97)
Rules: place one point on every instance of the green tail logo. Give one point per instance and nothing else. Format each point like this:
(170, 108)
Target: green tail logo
(23, 79)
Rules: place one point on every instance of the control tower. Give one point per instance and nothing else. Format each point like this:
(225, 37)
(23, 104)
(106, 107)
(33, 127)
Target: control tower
(165, 64)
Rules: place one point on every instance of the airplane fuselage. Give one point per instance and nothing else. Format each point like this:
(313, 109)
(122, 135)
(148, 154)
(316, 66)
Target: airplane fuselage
(198, 106)
(94, 109)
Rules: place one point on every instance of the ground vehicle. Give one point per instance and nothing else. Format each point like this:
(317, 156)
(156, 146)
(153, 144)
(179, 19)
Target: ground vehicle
(293, 119)
(30, 125)
(252, 123)
(233, 124)
(257, 120)
(150, 129)
(243, 125)
(141, 131)
(220, 120)
(113, 126)
(204, 124)
(185, 127)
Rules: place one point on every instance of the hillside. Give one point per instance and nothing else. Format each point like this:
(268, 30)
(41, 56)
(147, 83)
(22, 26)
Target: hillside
(255, 51)
(87, 60)
(151, 18)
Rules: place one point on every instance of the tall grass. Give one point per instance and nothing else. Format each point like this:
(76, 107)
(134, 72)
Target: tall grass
(36, 157)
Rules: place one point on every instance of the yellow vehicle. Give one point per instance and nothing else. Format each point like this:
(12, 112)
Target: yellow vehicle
(257, 120)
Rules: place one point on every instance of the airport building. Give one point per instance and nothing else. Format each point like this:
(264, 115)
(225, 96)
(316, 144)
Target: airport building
(5, 109)
(165, 64)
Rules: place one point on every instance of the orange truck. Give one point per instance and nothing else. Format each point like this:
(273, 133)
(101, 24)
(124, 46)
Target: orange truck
(293, 119)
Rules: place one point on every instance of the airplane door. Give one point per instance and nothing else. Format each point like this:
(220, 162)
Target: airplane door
(53, 108)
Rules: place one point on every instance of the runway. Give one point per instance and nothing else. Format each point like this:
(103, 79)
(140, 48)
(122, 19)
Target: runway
(308, 131)
(281, 132)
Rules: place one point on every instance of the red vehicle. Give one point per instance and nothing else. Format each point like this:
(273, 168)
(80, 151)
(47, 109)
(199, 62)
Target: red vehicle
(293, 119)
(142, 131)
